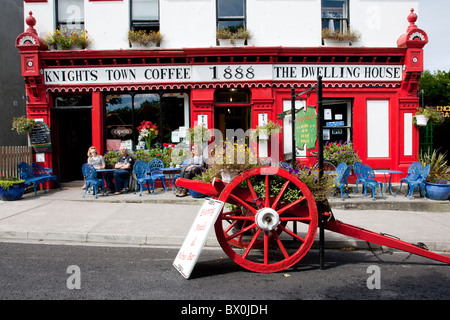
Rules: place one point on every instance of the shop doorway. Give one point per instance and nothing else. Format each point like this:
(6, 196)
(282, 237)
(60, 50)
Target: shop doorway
(71, 138)
(232, 111)
(232, 118)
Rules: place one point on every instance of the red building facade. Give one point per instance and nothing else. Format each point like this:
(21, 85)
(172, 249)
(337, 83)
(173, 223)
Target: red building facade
(371, 93)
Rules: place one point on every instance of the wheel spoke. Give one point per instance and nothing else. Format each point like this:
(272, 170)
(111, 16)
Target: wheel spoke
(251, 243)
(252, 191)
(234, 235)
(280, 245)
(300, 219)
(266, 247)
(266, 202)
(242, 202)
(291, 205)
(291, 233)
(275, 203)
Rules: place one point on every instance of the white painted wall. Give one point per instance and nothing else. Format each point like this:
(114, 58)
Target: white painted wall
(192, 23)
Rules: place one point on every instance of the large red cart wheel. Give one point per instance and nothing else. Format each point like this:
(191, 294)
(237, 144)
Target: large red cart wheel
(269, 245)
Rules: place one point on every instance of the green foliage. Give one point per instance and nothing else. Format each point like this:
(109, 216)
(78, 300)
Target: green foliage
(111, 157)
(7, 183)
(337, 152)
(350, 35)
(437, 117)
(269, 128)
(23, 124)
(66, 40)
(436, 88)
(145, 38)
(439, 170)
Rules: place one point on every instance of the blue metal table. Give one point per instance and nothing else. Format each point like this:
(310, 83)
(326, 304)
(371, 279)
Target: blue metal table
(172, 172)
(390, 172)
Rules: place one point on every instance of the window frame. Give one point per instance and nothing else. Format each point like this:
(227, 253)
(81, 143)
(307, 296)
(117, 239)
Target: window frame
(58, 22)
(344, 21)
(146, 25)
(220, 19)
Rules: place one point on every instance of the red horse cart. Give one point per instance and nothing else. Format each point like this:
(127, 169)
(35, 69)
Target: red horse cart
(257, 227)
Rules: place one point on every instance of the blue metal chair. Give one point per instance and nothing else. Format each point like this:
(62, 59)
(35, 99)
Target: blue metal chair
(143, 176)
(343, 172)
(414, 170)
(26, 173)
(45, 173)
(419, 182)
(357, 168)
(92, 180)
(156, 173)
(369, 177)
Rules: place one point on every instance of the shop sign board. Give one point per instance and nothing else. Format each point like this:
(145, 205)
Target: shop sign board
(196, 238)
(40, 139)
(222, 73)
(306, 128)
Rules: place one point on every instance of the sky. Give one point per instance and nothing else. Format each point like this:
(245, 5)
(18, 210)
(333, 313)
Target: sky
(433, 19)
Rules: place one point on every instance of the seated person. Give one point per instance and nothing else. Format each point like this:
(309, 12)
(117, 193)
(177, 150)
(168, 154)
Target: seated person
(193, 167)
(97, 162)
(124, 166)
(95, 159)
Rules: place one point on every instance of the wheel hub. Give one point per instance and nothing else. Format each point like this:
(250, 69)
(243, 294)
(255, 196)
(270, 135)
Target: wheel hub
(267, 219)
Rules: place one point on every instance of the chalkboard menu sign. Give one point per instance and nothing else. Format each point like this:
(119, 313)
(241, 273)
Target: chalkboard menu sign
(40, 138)
(306, 129)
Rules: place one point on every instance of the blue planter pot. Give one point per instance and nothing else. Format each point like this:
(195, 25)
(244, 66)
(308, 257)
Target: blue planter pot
(14, 193)
(196, 194)
(437, 191)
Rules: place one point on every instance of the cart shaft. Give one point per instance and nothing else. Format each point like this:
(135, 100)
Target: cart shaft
(383, 240)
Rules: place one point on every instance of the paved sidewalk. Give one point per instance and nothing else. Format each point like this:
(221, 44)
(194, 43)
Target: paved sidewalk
(65, 217)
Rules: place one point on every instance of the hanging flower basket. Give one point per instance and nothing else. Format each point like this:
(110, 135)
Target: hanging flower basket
(421, 120)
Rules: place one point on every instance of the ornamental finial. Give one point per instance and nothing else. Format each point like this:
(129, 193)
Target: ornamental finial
(31, 22)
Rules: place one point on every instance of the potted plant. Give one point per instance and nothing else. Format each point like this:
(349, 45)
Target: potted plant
(239, 37)
(81, 40)
(428, 113)
(228, 160)
(337, 152)
(11, 188)
(339, 38)
(147, 132)
(142, 39)
(264, 132)
(224, 36)
(67, 40)
(23, 125)
(437, 186)
(199, 133)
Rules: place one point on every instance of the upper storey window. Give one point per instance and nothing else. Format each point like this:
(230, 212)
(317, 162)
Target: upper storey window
(231, 14)
(70, 15)
(145, 15)
(335, 15)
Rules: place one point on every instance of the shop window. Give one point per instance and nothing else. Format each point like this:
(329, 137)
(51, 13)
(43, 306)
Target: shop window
(231, 14)
(337, 121)
(335, 15)
(118, 120)
(125, 112)
(70, 15)
(144, 15)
